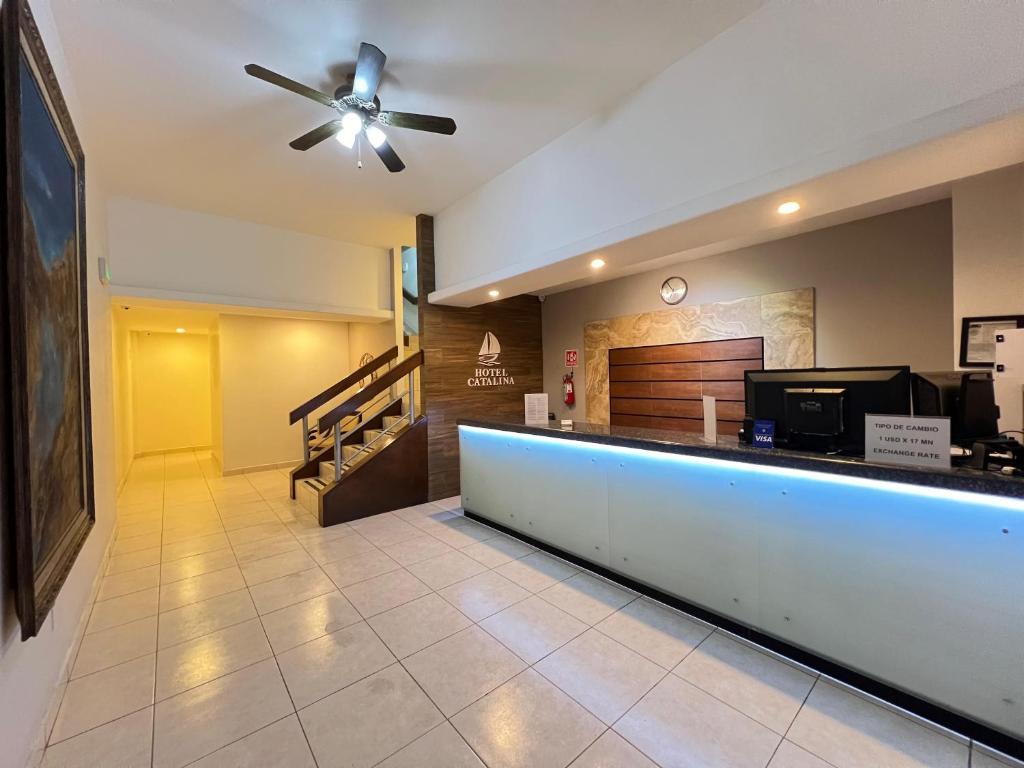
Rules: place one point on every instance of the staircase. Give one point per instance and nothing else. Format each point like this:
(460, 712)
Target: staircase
(367, 454)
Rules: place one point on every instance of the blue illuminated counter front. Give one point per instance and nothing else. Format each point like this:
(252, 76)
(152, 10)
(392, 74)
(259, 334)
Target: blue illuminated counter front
(912, 579)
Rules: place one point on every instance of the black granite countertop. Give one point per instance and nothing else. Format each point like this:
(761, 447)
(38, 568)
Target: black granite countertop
(731, 449)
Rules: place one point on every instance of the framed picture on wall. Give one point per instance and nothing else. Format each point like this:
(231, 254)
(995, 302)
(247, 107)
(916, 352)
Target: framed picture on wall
(978, 338)
(46, 473)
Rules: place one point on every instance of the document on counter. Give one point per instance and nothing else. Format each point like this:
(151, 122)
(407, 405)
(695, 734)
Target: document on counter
(537, 409)
(710, 419)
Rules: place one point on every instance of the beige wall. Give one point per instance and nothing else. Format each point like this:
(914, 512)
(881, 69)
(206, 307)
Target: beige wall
(883, 293)
(124, 411)
(216, 410)
(268, 366)
(170, 391)
(33, 672)
(988, 264)
(374, 338)
(988, 246)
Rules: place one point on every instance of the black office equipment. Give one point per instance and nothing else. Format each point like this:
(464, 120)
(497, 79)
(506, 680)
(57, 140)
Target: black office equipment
(815, 413)
(967, 398)
(839, 425)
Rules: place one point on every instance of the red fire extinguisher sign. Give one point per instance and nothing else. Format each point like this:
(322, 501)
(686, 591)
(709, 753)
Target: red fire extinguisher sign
(572, 358)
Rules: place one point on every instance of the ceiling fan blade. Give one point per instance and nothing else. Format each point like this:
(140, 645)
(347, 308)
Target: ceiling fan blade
(369, 67)
(314, 137)
(430, 123)
(388, 157)
(283, 82)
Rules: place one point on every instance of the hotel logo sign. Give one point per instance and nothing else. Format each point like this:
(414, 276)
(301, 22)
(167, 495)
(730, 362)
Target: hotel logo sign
(489, 373)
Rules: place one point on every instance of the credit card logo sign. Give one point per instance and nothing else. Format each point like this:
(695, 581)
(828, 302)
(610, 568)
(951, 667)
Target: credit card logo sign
(764, 434)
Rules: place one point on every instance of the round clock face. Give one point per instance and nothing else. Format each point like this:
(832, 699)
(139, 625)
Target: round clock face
(673, 290)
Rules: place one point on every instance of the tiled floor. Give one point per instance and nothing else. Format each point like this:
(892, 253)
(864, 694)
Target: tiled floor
(231, 630)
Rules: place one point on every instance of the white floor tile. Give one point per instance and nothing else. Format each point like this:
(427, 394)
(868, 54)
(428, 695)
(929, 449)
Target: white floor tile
(440, 748)
(370, 720)
(385, 592)
(279, 745)
(197, 722)
(655, 631)
(111, 647)
(104, 696)
(483, 595)
(612, 751)
(288, 590)
(206, 658)
(849, 731)
(527, 722)
(604, 676)
(201, 618)
(198, 588)
(678, 724)
(121, 610)
(323, 666)
(413, 626)
(125, 743)
(768, 690)
(587, 597)
(457, 671)
(533, 628)
(308, 620)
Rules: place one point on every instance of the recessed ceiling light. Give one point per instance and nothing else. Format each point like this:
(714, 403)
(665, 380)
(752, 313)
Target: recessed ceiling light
(493, 293)
(179, 330)
(790, 206)
(597, 263)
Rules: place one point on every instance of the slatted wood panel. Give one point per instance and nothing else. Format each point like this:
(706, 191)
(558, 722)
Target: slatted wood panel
(661, 387)
(450, 338)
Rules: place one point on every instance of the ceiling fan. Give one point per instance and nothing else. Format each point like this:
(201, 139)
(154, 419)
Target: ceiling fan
(359, 108)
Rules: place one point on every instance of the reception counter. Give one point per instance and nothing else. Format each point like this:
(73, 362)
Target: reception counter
(912, 579)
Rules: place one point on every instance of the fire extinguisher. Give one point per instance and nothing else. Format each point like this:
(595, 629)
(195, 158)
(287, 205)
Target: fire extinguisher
(568, 391)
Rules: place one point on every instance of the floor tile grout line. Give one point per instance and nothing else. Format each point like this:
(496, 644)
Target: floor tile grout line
(257, 617)
(240, 738)
(156, 658)
(97, 727)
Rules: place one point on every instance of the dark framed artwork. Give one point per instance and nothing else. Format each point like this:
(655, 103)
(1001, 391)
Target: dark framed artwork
(47, 474)
(978, 338)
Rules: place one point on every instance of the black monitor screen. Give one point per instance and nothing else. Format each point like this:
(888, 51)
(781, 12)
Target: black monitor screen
(865, 390)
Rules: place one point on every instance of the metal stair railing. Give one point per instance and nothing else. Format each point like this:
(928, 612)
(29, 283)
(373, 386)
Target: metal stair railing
(313, 440)
(370, 394)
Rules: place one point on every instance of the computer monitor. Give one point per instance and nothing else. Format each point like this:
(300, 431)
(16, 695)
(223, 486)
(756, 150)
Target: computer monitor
(842, 395)
(967, 398)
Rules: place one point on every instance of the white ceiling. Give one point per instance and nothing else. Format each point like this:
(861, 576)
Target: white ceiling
(913, 176)
(172, 117)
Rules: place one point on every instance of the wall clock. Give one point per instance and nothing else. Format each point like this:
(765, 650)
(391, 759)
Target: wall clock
(673, 290)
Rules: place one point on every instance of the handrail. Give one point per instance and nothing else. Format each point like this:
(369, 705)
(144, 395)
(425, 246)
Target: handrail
(385, 380)
(336, 389)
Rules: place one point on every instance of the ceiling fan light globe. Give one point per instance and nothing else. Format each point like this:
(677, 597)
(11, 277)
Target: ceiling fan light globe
(347, 138)
(351, 122)
(375, 136)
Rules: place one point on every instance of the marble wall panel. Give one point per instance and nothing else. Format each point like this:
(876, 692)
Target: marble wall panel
(784, 319)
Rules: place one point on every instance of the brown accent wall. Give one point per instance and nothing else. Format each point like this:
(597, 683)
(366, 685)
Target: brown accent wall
(451, 338)
(662, 386)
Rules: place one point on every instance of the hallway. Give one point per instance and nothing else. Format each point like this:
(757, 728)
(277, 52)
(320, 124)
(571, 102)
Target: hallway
(418, 639)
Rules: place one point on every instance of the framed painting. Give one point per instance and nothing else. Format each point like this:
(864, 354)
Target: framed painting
(47, 474)
(978, 338)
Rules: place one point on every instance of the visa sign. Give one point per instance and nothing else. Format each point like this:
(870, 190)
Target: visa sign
(764, 433)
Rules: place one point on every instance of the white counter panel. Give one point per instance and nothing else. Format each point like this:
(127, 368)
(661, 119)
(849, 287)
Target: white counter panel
(920, 588)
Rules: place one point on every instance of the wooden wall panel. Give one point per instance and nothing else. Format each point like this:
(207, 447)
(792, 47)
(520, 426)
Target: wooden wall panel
(661, 386)
(450, 338)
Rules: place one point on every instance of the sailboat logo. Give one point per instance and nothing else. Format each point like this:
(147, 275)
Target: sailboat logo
(489, 350)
